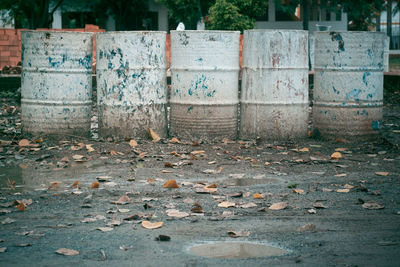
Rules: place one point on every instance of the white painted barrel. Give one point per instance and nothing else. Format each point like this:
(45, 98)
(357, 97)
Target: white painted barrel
(274, 97)
(56, 84)
(131, 83)
(348, 83)
(204, 84)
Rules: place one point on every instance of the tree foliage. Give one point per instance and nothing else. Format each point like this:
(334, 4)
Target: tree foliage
(31, 14)
(361, 13)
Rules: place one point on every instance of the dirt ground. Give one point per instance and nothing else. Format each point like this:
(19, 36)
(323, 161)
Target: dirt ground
(333, 211)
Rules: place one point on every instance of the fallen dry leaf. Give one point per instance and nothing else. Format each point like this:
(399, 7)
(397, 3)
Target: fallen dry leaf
(171, 184)
(372, 206)
(78, 157)
(257, 196)
(343, 190)
(54, 185)
(67, 252)
(248, 205)
(308, 227)
(155, 137)
(304, 149)
(21, 207)
(150, 225)
(133, 143)
(176, 213)
(95, 185)
(336, 155)
(382, 173)
(3, 249)
(75, 184)
(174, 140)
(319, 205)
(278, 206)
(341, 149)
(113, 153)
(235, 234)
(122, 200)
(24, 142)
(298, 191)
(226, 204)
(197, 208)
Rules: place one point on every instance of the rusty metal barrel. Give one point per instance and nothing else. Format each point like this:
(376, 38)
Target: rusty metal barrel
(56, 83)
(348, 84)
(274, 96)
(204, 84)
(131, 83)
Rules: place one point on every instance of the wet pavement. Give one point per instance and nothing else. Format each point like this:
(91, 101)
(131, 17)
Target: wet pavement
(109, 201)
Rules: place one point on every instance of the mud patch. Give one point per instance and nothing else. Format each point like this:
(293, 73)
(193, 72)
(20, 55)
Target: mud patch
(236, 250)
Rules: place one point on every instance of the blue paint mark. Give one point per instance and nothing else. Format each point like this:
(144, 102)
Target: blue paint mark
(200, 59)
(335, 91)
(110, 65)
(355, 94)
(370, 96)
(376, 125)
(190, 109)
(86, 62)
(365, 75)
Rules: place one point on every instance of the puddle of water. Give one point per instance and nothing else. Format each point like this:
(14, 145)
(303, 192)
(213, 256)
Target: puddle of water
(236, 250)
(250, 181)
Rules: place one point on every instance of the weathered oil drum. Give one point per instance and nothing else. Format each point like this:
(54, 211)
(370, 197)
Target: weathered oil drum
(131, 83)
(274, 97)
(204, 84)
(56, 83)
(348, 84)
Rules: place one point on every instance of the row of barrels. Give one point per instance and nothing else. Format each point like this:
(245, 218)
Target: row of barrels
(205, 101)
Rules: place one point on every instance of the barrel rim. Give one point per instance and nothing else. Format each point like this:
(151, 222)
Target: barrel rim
(56, 32)
(204, 31)
(130, 32)
(349, 32)
(275, 30)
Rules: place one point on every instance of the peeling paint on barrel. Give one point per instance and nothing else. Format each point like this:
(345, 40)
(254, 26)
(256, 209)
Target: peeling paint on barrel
(348, 83)
(204, 84)
(131, 83)
(274, 97)
(56, 83)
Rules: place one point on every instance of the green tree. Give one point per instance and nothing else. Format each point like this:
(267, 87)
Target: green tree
(361, 13)
(31, 14)
(187, 11)
(225, 16)
(235, 14)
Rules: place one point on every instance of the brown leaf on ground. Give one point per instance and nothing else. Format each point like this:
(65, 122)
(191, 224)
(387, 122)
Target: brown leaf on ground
(24, 142)
(209, 171)
(227, 141)
(54, 185)
(105, 229)
(336, 155)
(198, 152)
(236, 234)
(308, 227)
(155, 137)
(340, 149)
(21, 207)
(133, 143)
(67, 252)
(95, 185)
(169, 165)
(372, 206)
(175, 140)
(298, 191)
(343, 190)
(151, 226)
(122, 200)
(257, 196)
(113, 153)
(176, 213)
(171, 184)
(304, 149)
(382, 173)
(279, 206)
(75, 184)
(197, 208)
(142, 155)
(89, 148)
(226, 204)
(248, 205)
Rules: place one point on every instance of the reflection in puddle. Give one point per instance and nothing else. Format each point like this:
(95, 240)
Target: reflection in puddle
(236, 250)
(250, 181)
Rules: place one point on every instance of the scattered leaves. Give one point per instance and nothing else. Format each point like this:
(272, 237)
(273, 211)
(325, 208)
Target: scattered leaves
(226, 204)
(372, 206)
(279, 206)
(24, 142)
(155, 137)
(382, 173)
(95, 185)
(67, 252)
(336, 155)
(133, 143)
(151, 226)
(171, 184)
